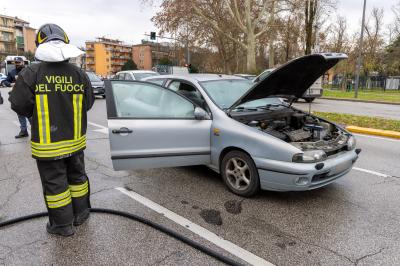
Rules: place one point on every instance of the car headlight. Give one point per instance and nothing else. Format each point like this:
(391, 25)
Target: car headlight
(351, 143)
(309, 157)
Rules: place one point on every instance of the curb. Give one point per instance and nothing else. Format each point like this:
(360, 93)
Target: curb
(375, 132)
(354, 100)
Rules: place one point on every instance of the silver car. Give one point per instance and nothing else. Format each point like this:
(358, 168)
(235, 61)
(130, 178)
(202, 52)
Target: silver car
(242, 130)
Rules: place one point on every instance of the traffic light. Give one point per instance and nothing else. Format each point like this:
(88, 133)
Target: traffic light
(152, 35)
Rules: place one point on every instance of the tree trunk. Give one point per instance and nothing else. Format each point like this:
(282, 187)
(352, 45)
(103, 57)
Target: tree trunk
(251, 53)
(271, 56)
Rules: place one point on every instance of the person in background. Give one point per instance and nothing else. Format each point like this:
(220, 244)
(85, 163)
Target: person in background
(11, 78)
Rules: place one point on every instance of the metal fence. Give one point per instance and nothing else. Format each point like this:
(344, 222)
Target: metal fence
(365, 83)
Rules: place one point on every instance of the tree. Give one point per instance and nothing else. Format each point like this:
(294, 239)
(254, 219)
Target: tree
(165, 61)
(129, 65)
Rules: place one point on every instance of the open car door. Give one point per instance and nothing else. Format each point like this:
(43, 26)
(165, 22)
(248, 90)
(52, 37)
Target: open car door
(151, 127)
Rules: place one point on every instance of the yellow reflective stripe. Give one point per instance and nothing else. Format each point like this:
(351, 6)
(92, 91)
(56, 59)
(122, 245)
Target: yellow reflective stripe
(75, 116)
(39, 116)
(59, 152)
(54, 148)
(57, 197)
(42, 107)
(80, 193)
(47, 117)
(57, 144)
(59, 204)
(80, 98)
(78, 187)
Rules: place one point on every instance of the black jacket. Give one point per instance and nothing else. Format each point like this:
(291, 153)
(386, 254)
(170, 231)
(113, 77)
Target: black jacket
(57, 96)
(11, 76)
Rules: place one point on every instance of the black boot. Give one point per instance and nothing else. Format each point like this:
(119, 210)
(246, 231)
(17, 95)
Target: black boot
(81, 218)
(22, 134)
(60, 230)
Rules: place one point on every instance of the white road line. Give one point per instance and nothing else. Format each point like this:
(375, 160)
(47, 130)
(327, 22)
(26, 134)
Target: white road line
(371, 172)
(200, 231)
(374, 137)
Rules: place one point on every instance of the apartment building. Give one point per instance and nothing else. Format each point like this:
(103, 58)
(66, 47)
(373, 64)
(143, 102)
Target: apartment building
(106, 56)
(149, 54)
(16, 36)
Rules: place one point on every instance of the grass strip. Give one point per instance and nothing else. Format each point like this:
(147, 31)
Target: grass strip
(361, 121)
(370, 95)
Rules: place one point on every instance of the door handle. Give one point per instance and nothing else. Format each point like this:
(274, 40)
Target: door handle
(122, 130)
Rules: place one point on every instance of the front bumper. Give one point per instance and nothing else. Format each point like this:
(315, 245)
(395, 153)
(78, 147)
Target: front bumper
(99, 90)
(286, 176)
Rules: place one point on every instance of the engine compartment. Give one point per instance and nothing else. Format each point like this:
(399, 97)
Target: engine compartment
(302, 130)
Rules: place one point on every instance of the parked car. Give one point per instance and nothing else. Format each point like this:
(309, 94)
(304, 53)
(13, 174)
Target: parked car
(135, 74)
(314, 91)
(246, 76)
(97, 84)
(3, 77)
(242, 130)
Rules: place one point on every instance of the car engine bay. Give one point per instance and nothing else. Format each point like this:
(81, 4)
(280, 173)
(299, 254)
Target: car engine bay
(300, 129)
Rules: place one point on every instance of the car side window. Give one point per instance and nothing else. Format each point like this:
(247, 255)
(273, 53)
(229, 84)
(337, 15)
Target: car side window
(189, 91)
(141, 101)
(156, 81)
(128, 76)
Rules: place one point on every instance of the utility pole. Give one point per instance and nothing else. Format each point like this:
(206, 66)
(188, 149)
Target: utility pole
(360, 49)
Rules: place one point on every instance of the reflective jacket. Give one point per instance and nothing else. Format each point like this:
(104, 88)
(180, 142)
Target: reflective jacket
(57, 96)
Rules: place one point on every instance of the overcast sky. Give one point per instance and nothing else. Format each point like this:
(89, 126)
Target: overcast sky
(128, 20)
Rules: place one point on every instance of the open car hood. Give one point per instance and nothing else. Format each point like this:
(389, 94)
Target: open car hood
(293, 78)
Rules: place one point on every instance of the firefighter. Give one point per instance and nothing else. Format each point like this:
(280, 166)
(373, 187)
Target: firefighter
(57, 95)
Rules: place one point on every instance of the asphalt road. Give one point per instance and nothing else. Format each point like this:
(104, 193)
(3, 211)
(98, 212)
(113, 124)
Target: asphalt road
(354, 221)
(388, 111)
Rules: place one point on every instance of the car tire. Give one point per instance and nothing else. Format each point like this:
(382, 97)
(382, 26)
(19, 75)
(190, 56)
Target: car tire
(240, 174)
(104, 96)
(309, 100)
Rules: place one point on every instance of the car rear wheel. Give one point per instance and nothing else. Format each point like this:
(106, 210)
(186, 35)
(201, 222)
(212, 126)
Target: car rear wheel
(240, 174)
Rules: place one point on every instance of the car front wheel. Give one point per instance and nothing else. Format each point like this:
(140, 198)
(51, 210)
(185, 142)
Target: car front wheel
(240, 174)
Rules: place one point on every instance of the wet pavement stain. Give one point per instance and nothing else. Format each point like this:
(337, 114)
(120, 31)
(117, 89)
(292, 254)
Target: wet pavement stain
(184, 202)
(128, 188)
(233, 206)
(283, 244)
(195, 207)
(211, 216)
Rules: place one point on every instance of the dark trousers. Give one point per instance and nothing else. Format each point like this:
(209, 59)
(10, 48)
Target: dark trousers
(22, 122)
(65, 188)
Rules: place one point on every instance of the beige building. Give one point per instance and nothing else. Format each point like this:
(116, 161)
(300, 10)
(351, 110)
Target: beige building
(16, 36)
(149, 54)
(106, 56)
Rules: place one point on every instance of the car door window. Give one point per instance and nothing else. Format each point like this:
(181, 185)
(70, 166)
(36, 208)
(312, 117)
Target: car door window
(144, 100)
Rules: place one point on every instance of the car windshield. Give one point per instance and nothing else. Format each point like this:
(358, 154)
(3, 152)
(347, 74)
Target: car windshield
(139, 76)
(93, 77)
(226, 92)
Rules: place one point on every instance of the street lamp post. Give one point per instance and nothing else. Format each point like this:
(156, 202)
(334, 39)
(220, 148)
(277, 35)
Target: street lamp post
(360, 48)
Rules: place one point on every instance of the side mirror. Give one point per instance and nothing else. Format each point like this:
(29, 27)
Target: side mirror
(200, 114)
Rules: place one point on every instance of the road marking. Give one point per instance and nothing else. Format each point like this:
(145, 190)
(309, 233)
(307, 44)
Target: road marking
(101, 129)
(371, 172)
(373, 137)
(197, 229)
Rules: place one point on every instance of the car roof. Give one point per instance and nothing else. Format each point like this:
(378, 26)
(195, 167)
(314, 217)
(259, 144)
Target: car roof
(197, 77)
(136, 71)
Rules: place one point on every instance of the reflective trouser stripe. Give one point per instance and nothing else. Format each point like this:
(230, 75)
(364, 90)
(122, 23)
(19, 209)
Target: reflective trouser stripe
(79, 190)
(58, 152)
(77, 104)
(59, 200)
(42, 107)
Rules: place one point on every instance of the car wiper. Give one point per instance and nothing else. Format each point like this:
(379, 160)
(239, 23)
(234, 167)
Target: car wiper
(268, 106)
(241, 108)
